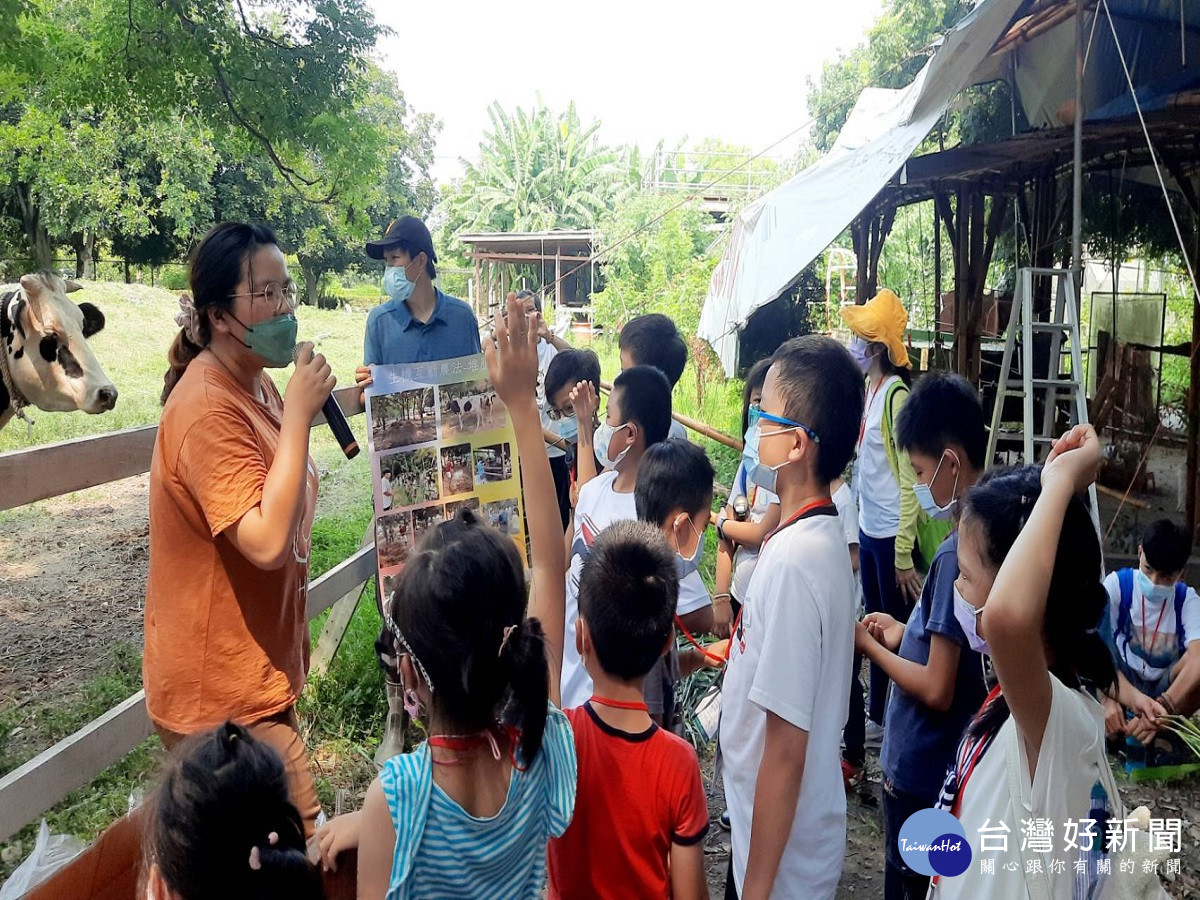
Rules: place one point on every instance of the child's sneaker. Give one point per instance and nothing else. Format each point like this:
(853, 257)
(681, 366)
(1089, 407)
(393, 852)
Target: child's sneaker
(874, 735)
(852, 777)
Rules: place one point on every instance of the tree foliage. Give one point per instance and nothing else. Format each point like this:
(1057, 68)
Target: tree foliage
(659, 260)
(142, 123)
(537, 170)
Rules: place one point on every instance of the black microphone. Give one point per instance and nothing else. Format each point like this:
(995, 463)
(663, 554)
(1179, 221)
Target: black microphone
(336, 420)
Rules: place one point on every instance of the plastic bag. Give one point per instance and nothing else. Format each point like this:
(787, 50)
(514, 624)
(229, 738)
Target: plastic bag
(50, 853)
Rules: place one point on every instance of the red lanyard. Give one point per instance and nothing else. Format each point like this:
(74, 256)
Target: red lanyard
(620, 704)
(687, 634)
(970, 754)
(800, 514)
(862, 427)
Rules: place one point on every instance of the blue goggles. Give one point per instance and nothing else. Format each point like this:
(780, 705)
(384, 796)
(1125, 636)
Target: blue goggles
(780, 420)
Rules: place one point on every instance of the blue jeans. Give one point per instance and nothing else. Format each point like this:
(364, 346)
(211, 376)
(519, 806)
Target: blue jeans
(899, 881)
(877, 565)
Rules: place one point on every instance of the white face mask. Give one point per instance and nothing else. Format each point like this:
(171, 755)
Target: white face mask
(924, 493)
(686, 565)
(967, 617)
(602, 440)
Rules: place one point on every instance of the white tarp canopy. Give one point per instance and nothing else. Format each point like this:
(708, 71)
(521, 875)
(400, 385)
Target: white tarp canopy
(778, 235)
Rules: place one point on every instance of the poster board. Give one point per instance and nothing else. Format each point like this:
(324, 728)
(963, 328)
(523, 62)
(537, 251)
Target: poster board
(440, 439)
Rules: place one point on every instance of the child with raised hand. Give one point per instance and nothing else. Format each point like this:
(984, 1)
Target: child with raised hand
(223, 825)
(750, 514)
(788, 682)
(638, 417)
(1029, 594)
(641, 813)
(937, 677)
(469, 812)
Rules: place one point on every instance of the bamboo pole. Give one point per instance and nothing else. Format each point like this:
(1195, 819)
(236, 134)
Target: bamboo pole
(694, 425)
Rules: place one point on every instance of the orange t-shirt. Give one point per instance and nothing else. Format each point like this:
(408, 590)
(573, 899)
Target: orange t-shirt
(224, 639)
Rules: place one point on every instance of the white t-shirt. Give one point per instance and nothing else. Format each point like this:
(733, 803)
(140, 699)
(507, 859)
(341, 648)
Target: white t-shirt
(546, 351)
(1071, 765)
(874, 484)
(746, 558)
(792, 657)
(1144, 647)
(600, 506)
(843, 499)
(385, 488)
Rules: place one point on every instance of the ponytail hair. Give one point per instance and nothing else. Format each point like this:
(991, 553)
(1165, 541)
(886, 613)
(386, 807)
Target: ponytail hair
(219, 801)
(889, 368)
(215, 270)
(460, 607)
(998, 507)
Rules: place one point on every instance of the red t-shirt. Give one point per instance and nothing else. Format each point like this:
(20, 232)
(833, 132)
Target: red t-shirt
(637, 795)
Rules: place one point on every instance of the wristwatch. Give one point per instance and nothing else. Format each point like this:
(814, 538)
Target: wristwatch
(721, 527)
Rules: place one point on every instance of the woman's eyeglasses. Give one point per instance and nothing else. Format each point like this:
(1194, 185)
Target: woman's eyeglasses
(280, 297)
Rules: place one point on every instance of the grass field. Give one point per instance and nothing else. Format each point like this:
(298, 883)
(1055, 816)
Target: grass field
(343, 711)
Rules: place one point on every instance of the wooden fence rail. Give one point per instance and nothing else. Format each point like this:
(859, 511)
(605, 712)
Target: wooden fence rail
(39, 473)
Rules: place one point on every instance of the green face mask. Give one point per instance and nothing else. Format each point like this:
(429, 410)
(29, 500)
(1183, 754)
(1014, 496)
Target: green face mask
(274, 339)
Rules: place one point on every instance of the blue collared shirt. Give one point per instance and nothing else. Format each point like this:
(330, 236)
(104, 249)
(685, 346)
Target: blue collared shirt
(395, 337)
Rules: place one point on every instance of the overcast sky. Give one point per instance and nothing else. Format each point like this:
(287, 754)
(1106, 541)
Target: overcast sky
(647, 69)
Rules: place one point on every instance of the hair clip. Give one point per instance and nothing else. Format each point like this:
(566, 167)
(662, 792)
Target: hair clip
(508, 633)
(256, 857)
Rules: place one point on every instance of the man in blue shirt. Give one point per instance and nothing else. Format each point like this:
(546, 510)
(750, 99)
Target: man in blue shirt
(418, 323)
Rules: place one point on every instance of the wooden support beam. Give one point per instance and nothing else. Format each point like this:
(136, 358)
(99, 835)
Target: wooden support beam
(1193, 399)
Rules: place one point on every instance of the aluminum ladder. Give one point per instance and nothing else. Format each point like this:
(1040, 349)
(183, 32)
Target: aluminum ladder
(1062, 327)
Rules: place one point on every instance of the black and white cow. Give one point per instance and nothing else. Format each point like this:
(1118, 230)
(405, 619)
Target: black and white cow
(45, 360)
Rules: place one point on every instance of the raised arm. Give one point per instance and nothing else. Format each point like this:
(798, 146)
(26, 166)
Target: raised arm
(512, 366)
(1015, 610)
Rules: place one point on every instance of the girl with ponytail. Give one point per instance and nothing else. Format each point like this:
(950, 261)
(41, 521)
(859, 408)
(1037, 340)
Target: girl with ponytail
(222, 824)
(1029, 595)
(469, 812)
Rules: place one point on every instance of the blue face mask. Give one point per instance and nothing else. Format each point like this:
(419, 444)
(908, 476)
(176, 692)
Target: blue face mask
(568, 427)
(396, 284)
(1158, 593)
(750, 447)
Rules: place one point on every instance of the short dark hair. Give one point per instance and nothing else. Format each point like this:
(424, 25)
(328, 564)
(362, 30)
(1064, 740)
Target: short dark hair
(526, 294)
(653, 340)
(646, 400)
(628, 589)
(1167, 546)
(218, 800)
(822, 387)
(943, 409)
(675, 474)
(569, 367)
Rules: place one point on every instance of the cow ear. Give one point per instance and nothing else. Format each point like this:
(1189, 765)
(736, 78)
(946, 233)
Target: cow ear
(93, 319)
(72, 286)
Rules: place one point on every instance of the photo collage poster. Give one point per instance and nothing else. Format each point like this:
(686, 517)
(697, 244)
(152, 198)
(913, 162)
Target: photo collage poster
(440, 440)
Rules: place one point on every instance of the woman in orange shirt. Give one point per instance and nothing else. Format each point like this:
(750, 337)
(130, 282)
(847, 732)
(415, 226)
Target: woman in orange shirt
(232, 494)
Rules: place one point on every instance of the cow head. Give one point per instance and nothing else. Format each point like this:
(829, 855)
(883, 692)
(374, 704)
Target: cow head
(43, 336)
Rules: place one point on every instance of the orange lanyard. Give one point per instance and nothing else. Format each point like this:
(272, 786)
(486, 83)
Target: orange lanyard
(862, 427)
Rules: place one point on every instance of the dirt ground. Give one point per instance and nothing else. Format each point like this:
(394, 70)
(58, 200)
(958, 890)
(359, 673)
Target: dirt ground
(72, 578)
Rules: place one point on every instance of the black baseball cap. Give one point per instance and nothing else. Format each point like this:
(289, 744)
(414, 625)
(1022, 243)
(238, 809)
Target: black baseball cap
(408, 233)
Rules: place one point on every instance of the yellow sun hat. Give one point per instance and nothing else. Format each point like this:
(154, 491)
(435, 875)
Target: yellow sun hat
(882, 319)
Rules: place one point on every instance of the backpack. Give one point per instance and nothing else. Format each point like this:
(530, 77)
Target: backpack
(1124, 617)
